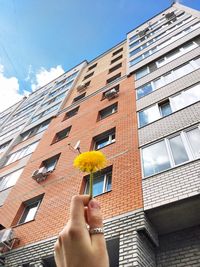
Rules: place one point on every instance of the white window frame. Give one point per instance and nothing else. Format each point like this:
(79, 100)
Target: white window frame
(104, 177)
(186, 144)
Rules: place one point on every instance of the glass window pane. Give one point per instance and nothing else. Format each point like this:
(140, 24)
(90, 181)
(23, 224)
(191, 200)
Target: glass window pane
(185, 98)
(102, 143)
(108, 182)
(158, 83)
(178, 150)
(165, 109)
(144, 90)
(13, 177)
(98, 185)
(194, 139)
(31, 213)
(180, 72)
(155, 159)
(142, 72)
(148, 115)
(136, 60)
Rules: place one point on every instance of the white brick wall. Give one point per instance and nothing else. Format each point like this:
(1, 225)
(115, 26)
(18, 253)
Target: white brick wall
(172, 185)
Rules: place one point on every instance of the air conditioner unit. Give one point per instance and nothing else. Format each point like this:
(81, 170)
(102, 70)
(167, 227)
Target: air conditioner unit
(81, 87)
(40, 174)
(143, 32)
(170, 15)
(6, 235)
(7, 239)
(111, 93)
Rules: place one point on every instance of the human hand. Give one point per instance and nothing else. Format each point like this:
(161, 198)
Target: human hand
(75, 246)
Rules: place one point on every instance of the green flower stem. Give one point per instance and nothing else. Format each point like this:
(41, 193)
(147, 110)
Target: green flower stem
(91, 185)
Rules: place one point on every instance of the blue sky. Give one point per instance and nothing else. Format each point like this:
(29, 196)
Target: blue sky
(39, 39)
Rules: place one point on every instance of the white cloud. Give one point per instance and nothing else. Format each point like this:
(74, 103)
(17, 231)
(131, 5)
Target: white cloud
(9, 90)
(44, 76)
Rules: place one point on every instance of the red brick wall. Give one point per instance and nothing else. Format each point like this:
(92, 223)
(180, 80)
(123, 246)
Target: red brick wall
(66, 181)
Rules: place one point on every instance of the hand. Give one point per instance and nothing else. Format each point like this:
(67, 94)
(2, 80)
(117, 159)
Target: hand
(75, 246)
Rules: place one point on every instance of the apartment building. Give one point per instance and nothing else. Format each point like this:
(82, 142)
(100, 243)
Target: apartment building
(139, 104)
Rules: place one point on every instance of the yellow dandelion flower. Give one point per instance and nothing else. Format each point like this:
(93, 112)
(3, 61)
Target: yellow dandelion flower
(90, 162)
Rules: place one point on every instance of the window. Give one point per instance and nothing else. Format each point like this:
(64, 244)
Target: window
(9, 180)
(174, 103)
(102, 182)
(38, 129)
(22, 153)
(89, 75)
(79, 97)
(117, 51)
(58, 84)
(178, 150)
(49, 262)
(50, 164)
(104, 139)
(71, 113)
(114, 89)
(162, 45)
(3, 146)
(141, 72)
(113, 251)
(176, 53)
(194, 141)
(71, 77)
(165, 108)
(172, 151)
(11, 132)
(87, 84)
(64, 88)
(61, 135)
(47, 111)
(107, 111)
(116, 59)
(169, 77)
(135, 51)
(30, 209)
(112, 79)
(115, 67)
(58, 97)
(92, 67)
(185, 98)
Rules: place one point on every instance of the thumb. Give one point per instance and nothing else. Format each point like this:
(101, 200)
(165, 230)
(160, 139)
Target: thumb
(94, 214)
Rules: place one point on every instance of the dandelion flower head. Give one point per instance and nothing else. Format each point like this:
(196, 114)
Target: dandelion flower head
(90, 161)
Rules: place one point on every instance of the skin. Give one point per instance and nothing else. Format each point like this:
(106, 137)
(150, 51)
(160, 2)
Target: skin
(75, 247)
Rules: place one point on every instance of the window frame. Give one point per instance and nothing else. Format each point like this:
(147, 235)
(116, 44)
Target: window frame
(79, 97)
(66, 117)
(164, 79)
(114, 68)
(116, 59)
(114, 109)
(27, 204)
(117, 51)
(107, 134)
(186, 144)
(45, 163)
(57, 138)
(106, 175)
(113, 78)
(92, 67)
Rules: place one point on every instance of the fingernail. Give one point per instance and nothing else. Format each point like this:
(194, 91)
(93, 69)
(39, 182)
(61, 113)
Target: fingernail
(94, 204)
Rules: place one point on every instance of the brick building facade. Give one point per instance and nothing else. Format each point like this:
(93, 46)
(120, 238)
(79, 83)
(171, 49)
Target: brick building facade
(139, 104)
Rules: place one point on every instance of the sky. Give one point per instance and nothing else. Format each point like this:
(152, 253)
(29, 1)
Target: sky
(41, 39)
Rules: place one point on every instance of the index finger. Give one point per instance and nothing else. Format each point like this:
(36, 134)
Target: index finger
(77, 213)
